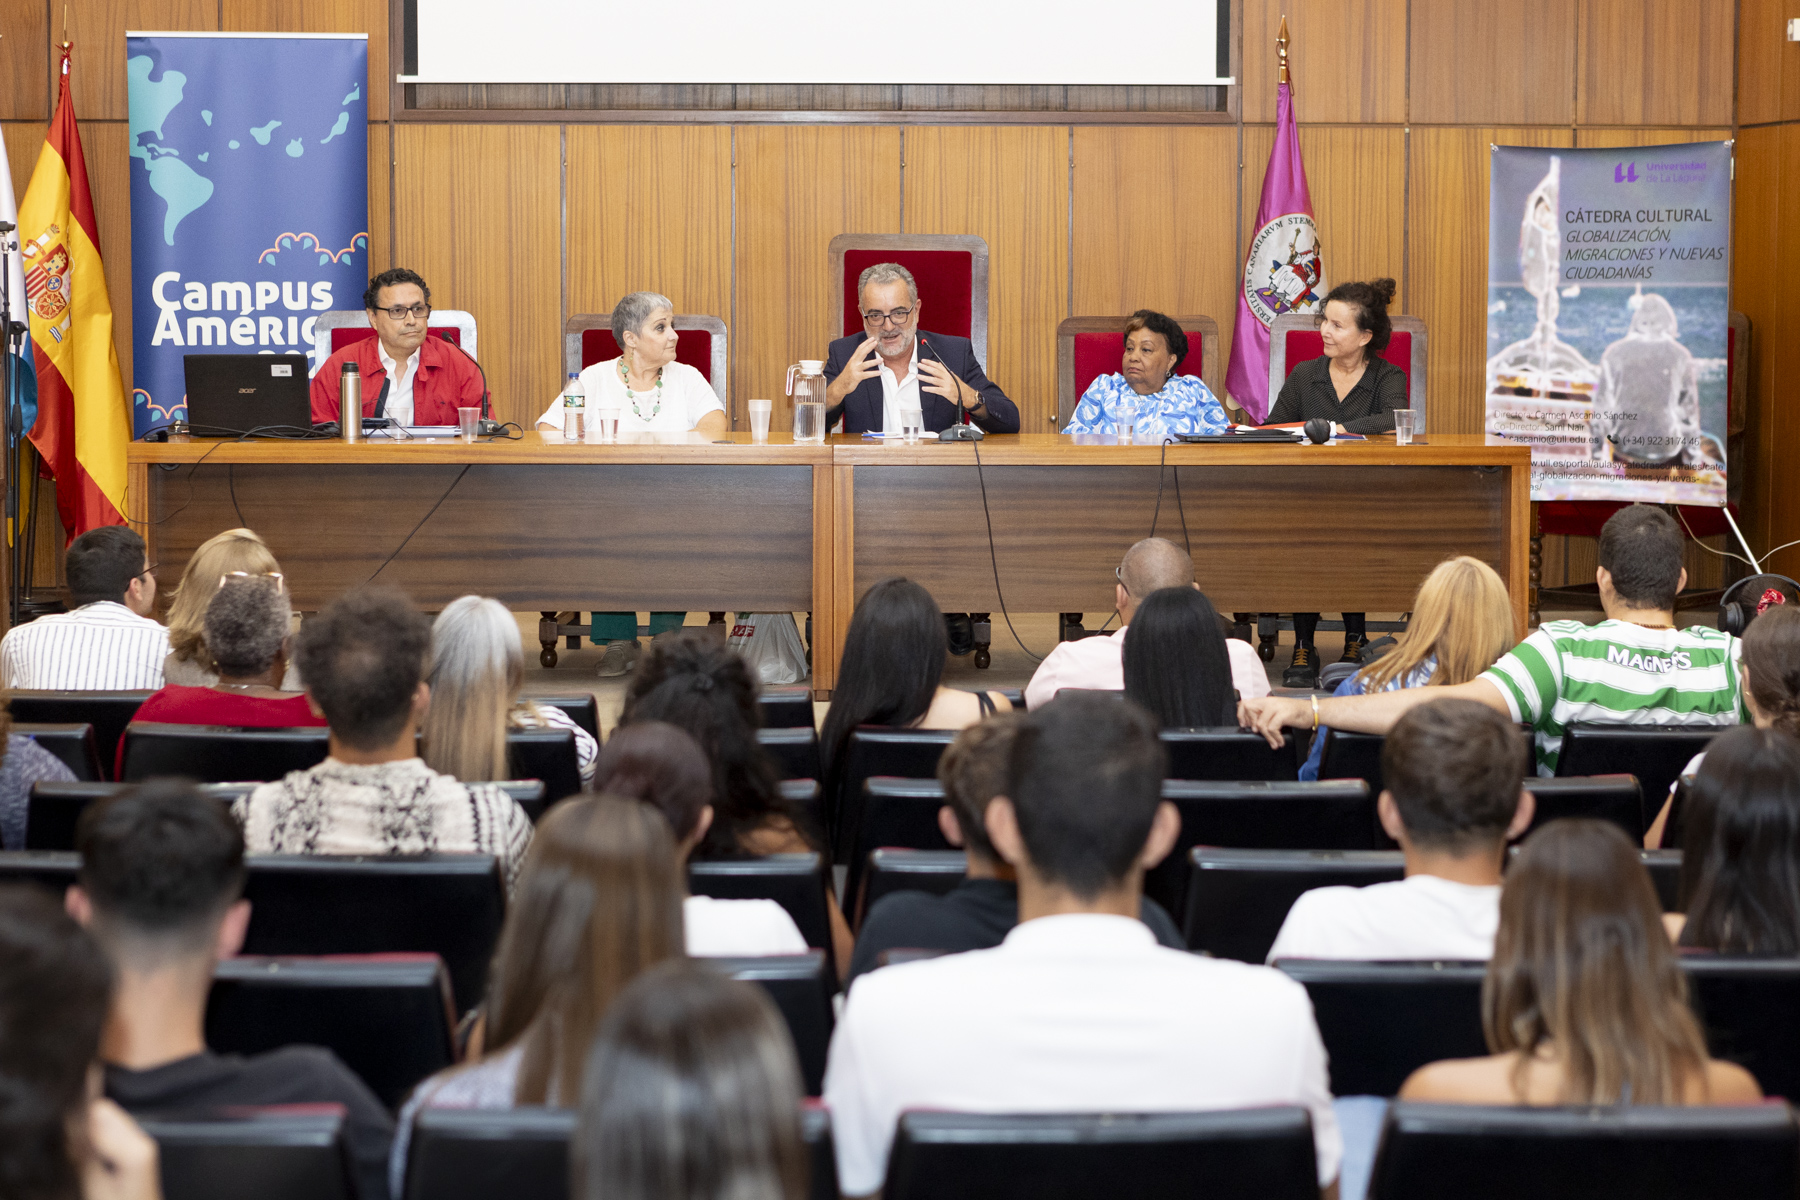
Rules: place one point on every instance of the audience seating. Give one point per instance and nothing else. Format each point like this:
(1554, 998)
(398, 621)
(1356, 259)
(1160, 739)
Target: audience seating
(1480, 1153)
(450, 905)
(795, 751)
(523, 1154)
(107, 712)
(387, 1016)
(1229, 753)
(878, 750)
(219, 753)
(1750, 1008)
(801, 985)
(889, 871)
(1349, 755)
(1382, 1021)
(1262, 1152)
(1237, 899)
(72, 742)
(51, 869)
(1665, 872)
(1654, 753)
(799, 883)
(898, 813)
(1337, 814)
(546, 754)
(1614, 798)
(582, 709)
(787, 707)
(274, 1155)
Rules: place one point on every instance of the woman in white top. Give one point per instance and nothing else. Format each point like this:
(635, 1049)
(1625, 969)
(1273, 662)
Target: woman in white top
(652, 393)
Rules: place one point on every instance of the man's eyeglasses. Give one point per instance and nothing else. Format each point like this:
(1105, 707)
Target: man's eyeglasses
(230, 576)
(897, 318)
(149, 570)
(400, 311)
(1119, 574)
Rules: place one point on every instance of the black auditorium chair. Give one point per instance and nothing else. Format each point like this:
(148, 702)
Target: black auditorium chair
(786, 707)
(798, 882)
(451, 905)
(219, 753)
(387, 1016)
(893, 813)
(1614, 798)
(1382, 1021)
(53, 870)
(1261, 1152)
(806, 797)
(1229, 753)
(888, 871)
(795, 751)
(1350, 755)
(582, 708)
(1665, 873)
(1750, 1009)
(1654, 753)
(546, 754)
(107, 712)
(1337, 814)
(278, 1155)
(1475, 1152)
(877, 750)
(1237, 899)
(73, 742)
(801, 985)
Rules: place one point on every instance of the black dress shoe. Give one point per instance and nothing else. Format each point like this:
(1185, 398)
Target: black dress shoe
(1303, 671)
(961, 632)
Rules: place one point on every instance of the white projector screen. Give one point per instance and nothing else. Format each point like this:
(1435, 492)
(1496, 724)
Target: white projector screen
(1157, 43)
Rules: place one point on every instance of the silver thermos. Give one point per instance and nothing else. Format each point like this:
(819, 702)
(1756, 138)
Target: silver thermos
(350, 402)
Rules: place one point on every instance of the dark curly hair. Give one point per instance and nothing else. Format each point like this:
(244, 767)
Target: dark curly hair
(1155, 322)
(1369, 302)
(393, 278)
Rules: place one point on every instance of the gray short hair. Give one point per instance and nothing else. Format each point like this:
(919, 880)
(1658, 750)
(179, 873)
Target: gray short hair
(887, 273)
(246, 621)
(629, 314)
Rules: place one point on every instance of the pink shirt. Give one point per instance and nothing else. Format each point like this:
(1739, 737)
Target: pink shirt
(1099, 662)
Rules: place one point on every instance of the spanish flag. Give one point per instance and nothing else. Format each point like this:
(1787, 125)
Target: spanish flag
(83, 423)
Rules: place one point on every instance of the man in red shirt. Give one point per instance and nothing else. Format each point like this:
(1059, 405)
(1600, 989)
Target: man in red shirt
(406, 376)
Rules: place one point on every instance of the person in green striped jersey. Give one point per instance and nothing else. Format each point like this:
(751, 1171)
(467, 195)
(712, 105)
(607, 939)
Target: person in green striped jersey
(1633, 668)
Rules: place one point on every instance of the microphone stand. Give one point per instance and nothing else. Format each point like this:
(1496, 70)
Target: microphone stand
(962, 431)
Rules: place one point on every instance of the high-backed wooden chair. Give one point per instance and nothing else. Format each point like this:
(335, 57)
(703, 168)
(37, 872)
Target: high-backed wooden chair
(334, 330)
(1294, 338)
(702, 345)
(951, 270)
(1089, 347)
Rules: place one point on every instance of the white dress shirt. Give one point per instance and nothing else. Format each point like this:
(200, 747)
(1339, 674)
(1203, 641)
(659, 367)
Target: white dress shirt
(1421, 916)
(99, 647)
(676, 407)
(1075, 1013)
(897, 394)
(1099, 662)
(399, 407)
(727, 928)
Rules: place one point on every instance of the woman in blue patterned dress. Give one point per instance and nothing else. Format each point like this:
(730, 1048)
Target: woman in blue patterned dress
(1165, 403)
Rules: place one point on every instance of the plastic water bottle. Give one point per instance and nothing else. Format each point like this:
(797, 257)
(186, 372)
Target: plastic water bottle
(574, 405)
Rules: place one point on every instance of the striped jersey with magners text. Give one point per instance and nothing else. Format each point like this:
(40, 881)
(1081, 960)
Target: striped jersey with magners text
(1617, 673)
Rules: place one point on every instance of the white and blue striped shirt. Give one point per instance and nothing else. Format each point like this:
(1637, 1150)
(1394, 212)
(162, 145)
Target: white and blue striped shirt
(99, 647)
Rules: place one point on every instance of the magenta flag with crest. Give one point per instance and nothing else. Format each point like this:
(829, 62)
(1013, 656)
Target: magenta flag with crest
(1284, 271)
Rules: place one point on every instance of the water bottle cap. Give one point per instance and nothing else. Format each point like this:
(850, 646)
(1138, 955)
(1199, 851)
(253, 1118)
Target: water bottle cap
(574, 374)
(350, 367)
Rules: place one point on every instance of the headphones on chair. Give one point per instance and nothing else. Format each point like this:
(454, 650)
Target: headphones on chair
(1735, 615)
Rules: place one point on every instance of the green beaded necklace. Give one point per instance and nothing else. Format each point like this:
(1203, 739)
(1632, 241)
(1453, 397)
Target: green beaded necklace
(632, 399)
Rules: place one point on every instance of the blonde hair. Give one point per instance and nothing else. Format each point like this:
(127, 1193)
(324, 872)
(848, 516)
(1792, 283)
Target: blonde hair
(477, 669)
(1462, 616)
(218, 556)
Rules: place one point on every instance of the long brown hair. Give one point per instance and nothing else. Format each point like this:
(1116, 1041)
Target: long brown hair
(218, 556)
(1771, 658)
(598, 900)
(1582, 968)
(1461, 615)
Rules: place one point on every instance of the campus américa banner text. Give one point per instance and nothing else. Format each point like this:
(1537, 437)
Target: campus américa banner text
(1608, 311)
(249, 198)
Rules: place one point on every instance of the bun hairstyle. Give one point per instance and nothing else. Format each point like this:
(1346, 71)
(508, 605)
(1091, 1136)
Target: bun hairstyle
(1370, 303)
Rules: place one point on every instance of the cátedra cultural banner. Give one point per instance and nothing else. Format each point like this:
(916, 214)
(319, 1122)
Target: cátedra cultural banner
(1608, 314)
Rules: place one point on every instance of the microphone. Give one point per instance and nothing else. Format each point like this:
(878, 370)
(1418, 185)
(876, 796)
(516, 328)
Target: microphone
(961, 431)
(486, 426)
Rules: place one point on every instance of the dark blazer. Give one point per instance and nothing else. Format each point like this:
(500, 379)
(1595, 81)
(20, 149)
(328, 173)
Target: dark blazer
(862, 409)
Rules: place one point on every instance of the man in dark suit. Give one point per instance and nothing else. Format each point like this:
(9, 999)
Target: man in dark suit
(873, 375)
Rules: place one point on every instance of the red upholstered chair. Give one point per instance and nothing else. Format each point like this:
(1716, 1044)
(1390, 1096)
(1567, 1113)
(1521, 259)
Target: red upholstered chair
(1089, 347)
(1294, 338)
(588, 339)
(334, 330)
(951, 271)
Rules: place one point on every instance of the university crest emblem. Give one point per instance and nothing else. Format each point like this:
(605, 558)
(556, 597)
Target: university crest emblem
(1284, 271)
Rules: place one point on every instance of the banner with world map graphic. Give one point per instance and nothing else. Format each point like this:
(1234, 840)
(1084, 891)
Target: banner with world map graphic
(249, 198)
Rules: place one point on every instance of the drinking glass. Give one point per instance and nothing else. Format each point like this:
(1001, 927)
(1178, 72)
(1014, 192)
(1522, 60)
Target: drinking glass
(912, 425)
(1405, 425)
(608, 420)
(1127, 423)
(465, 422)
(759, 419)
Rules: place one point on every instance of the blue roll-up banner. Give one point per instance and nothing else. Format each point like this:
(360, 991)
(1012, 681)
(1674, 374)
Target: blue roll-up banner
(249, 198)
(1609, 309)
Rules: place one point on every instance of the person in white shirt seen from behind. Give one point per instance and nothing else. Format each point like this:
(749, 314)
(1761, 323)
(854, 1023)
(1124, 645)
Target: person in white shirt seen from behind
(1098, 663)
(108, 642)
(1078, 1010)
(1453, 801)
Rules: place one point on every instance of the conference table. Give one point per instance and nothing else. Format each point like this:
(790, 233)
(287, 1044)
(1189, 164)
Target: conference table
(1019, 523)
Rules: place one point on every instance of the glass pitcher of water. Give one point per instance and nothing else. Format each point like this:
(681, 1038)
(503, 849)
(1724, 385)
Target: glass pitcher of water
(806, 384)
